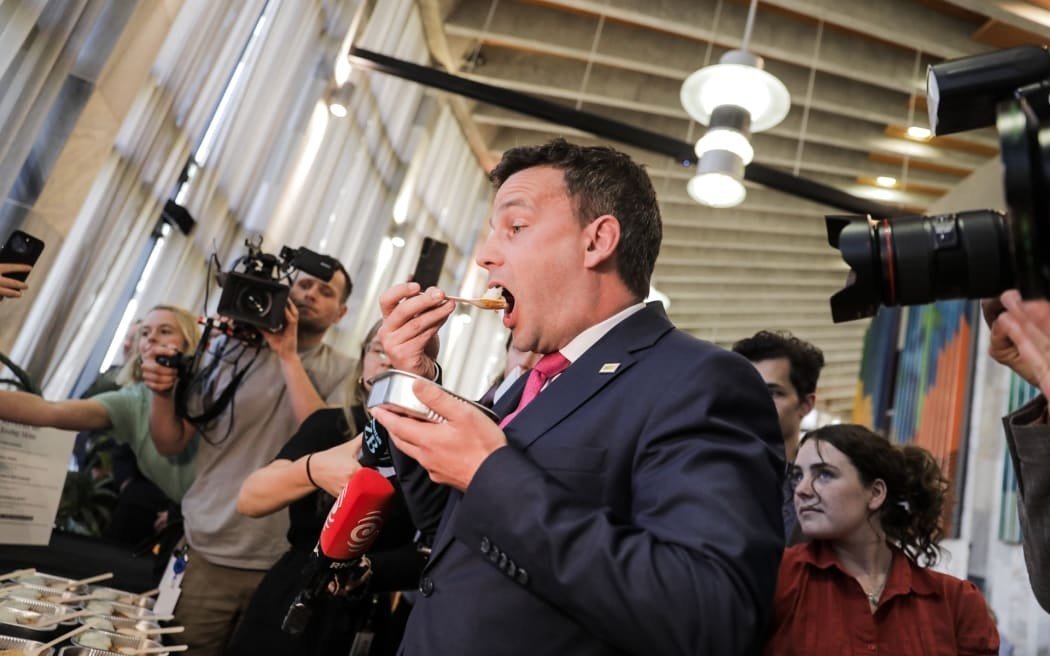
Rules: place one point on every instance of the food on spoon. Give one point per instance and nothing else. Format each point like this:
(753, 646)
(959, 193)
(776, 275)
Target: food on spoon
(8, 615)
(33, 579)
(493, 299)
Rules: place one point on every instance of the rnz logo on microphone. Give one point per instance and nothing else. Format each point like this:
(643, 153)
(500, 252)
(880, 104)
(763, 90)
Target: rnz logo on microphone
(365, 531)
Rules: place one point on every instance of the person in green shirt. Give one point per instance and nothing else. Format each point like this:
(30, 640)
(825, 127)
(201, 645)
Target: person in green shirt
(125, 412)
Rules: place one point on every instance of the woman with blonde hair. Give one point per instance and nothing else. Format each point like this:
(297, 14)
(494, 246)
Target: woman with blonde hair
(124, 412)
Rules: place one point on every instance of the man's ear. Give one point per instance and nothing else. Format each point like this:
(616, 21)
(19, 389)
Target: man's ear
(342, 312)
(806, 406)
(601, 237)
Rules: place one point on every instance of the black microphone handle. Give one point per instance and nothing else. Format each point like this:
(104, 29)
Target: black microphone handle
(320, 573)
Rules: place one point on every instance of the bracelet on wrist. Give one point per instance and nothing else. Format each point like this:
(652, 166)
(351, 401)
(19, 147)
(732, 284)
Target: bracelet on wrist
(309, 476)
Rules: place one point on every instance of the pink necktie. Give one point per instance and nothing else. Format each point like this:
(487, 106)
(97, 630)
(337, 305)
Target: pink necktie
(548, 367)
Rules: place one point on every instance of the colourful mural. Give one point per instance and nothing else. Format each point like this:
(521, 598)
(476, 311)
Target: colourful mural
(877, 366)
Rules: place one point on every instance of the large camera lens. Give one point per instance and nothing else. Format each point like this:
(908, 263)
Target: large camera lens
(255, 302)
(919, 259)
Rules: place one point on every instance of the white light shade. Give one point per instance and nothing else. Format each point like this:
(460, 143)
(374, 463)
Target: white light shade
(726, 139)
(716, 190)
(735, 82)
(915, 132)
(338, 110)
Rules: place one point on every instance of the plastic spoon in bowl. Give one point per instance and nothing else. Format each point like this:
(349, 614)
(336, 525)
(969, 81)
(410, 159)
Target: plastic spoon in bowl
(51, 620)
(34, 651)
(150, 632)
(90, 579)
(485, 302)
(151, 650)
(18, 573)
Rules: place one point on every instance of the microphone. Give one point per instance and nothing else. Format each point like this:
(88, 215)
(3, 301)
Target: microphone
(352, 526)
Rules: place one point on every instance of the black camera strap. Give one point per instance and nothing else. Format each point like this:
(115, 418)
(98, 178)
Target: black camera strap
(184, 386)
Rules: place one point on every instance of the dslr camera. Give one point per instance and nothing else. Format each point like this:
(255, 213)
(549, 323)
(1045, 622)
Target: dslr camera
(255, 289)
(912, 260)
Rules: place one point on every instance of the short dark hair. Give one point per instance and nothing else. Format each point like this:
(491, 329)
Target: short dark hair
(602, 181)
(346, 276)
(806, 360)
(916, 489)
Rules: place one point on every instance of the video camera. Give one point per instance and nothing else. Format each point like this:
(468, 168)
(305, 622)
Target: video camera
(912, 260)
(256, 294)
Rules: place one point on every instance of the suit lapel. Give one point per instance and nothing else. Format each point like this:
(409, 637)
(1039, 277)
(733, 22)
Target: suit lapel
(581, 381)
(608, 359)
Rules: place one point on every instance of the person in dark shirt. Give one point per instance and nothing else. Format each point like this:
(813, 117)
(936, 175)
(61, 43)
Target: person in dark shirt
(306, 477)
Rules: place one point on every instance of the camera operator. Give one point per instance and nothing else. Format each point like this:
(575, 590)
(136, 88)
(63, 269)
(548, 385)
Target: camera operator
(296, 375)
(1021, 341)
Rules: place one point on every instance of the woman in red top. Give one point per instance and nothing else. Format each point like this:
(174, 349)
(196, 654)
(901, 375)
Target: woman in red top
(871, 511)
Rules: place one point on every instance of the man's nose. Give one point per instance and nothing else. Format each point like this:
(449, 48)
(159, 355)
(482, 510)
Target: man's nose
(488, 256)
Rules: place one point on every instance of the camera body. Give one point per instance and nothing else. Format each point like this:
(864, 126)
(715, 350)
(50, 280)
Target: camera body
(913, 260)
(255, 290)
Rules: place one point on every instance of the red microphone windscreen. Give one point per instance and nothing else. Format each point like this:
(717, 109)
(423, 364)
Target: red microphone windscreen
(354, 522)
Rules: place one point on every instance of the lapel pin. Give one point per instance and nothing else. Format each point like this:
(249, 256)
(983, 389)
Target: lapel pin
(609, 368)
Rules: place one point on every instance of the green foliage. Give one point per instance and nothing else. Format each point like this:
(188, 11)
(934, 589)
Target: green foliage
(87, 503)
(88, 497)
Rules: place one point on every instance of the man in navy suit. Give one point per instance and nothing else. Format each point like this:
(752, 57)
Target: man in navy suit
(633, 506)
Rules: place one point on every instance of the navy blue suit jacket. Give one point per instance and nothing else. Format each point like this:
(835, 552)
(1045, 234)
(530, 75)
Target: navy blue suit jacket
(633, 511)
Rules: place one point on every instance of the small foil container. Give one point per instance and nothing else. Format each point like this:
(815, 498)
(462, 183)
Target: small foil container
(50, 581)
(122, 597)
(41, 593)
(32, 610)
(27, 591)
(117, 640)
(392, 389)
(120, 623)
(11, 642)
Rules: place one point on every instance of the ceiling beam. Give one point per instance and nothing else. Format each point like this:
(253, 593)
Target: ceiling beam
(607, 128)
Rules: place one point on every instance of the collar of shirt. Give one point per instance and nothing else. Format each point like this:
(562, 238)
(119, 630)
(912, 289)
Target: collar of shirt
(589, 337)
(904, 577)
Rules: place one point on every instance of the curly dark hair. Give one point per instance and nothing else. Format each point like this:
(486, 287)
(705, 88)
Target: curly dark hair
(806, 360)
(602, 181)
(916, 490)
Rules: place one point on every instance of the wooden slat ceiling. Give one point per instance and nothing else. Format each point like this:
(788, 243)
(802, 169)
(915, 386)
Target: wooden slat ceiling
(856, 73)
